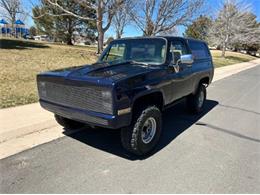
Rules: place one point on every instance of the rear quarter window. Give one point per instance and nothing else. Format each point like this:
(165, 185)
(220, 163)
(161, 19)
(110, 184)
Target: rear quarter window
(199, 50)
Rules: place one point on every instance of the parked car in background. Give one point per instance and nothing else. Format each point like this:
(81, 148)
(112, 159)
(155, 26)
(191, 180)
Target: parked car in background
(42, 38)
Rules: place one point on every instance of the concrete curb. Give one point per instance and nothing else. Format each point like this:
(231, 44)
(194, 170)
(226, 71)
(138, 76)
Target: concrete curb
(27, 126)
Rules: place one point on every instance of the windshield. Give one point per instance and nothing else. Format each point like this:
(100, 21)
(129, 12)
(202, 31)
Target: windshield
(146, 51)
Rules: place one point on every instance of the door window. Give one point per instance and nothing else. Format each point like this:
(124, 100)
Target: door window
(179, 46)
(177, 49)
(199, 50)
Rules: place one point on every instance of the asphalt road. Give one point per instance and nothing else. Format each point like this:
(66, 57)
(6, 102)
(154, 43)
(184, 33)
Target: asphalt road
(216, 152)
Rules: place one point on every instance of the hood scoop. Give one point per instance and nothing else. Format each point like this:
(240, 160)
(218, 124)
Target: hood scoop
(116, 70)
(108, 71)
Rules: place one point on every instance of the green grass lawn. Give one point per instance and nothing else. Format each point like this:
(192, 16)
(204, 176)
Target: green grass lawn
(20, 61)
(231, 58)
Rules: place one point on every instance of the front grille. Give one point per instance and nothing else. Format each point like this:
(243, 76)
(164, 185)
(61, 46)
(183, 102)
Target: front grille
(87, 98)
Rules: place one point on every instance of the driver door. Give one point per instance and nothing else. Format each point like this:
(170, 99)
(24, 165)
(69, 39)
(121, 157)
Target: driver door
(181, 74)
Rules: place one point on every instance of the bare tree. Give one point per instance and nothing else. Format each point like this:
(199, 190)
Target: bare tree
(157, 16)
(121, 18)
(105, 11)
(171, 32)
(234, 24)
(11, 8)
(105, 8)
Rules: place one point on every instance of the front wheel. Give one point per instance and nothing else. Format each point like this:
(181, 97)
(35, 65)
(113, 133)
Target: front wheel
(143, 135)
(196, 102)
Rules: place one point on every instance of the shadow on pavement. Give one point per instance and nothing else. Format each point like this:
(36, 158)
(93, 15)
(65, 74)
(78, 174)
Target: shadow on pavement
(175, 121)
(227, 131)
(20, 44)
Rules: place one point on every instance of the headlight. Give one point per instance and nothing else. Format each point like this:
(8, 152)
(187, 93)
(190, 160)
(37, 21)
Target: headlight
(42, 89)
(42, 84)
(106, 100)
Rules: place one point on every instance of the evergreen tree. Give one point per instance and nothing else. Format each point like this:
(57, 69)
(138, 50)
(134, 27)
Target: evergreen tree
(62, 27)
(199, 28)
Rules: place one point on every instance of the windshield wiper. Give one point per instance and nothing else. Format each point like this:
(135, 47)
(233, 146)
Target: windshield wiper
(136, 62)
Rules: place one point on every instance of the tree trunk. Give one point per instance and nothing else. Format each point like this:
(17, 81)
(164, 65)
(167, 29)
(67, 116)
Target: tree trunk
(13, 27)
(223, 55)
(69, 41)
(118, 34)
(100, 27)
(70, 33)
(100, 41)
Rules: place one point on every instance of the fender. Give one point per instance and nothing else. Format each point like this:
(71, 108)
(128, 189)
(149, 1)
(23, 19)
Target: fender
(203, 77)
(148, 91)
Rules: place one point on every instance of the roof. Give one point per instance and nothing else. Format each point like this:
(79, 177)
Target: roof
(19, 22)
(184, 38)
(165, 37)
(3, 22)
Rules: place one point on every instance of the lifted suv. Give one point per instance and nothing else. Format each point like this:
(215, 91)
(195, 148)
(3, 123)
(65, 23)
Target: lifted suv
(133, 81)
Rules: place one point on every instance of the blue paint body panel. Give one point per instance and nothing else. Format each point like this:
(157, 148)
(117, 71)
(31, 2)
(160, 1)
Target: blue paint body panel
(125, 83)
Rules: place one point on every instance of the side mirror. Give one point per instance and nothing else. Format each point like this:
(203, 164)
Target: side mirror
(186, 59)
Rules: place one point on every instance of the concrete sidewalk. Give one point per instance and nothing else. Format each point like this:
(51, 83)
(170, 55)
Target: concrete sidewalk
(24, 127)
(23, 120)
(226, 71)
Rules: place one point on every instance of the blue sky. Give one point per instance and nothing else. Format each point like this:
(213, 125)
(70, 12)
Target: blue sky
(210, 8)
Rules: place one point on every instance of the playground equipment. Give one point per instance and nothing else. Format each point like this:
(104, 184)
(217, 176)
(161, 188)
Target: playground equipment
(17, 30)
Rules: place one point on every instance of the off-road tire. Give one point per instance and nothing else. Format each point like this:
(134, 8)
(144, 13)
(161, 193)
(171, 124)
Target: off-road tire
(193, 100)
(68, 123)
(131, 137)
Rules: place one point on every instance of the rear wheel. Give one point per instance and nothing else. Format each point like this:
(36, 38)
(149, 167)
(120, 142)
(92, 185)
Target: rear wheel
(142, 136)
(68, 123)
(196, 102)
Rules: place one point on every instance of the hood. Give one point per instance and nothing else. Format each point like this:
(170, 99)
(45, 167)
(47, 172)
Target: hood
(112, 72)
